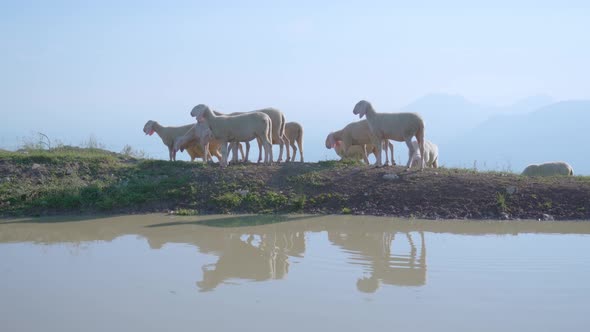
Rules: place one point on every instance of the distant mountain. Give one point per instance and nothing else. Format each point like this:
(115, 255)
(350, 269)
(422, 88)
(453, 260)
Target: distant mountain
(554, 132)
(446, 116)
(527, 104)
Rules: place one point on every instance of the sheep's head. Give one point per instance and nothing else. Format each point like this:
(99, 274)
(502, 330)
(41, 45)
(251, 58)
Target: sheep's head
(199, 112)
(361, 108)
(148, 129)
(330, 141)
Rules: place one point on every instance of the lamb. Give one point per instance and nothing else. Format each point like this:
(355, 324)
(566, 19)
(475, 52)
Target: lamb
(356, 133)
(168, 136)
(396, 126)
(549, 169)
(198, 141)
(294, 133)
(237, 128)
(357, 152)
(431, 153)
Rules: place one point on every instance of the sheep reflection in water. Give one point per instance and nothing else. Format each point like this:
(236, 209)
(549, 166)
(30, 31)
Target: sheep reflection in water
(261, 255)
(254, 256)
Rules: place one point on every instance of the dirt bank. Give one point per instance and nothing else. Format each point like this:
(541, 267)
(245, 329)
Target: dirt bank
(52, 184)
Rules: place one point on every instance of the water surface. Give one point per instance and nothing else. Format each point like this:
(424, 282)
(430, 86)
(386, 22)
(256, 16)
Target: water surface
(341, 273)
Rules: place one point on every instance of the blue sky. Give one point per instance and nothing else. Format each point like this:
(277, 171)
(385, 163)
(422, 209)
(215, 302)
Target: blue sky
(71, 69)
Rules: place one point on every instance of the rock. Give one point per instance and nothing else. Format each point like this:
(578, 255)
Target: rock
(504, 216)
(390, 176)
(547, 217)
(511, 190)
(242, 192)
(35, 166)
(69, 171)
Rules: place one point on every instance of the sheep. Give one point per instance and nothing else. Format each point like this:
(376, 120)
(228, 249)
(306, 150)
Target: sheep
(355, 133)
(357, 152)
(294, 133)
(278, 131)
(233, 145)
(396, 126)
(237, 128)
(168, 136)
(199, 140)
(549, 169)
(430, 151)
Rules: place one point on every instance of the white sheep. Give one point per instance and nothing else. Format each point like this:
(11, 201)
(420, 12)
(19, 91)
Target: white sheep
(357, 152)
(168, 136)
(199, 139)
(278, 132)
(356, 133)
(399, 127)
(237, 128)
(430, 151)
(549, 169)
(294, 133)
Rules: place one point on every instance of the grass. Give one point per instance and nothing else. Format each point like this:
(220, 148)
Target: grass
(313, 178)
(75, 179)
(186, 212)
(501, 202)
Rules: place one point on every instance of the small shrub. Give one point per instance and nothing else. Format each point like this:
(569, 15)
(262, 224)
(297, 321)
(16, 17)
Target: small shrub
(186, 212)
(346, 210)
(501, 202)
(227, 202)
(299, 203)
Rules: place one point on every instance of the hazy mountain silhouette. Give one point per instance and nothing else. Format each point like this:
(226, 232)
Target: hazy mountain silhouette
(553, 132)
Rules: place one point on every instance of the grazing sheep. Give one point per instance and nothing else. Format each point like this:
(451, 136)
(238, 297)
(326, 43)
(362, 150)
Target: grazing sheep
(294, 133)
(430, 151)
(549, 169)
(200, 140)
(357, 152)
(237, 128)
(355, 133)
(396, 126)
(168, 135)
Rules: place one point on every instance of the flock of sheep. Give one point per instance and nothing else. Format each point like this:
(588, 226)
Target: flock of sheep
(216, 133)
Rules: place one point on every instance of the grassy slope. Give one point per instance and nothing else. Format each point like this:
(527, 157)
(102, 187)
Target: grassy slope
(74, 181)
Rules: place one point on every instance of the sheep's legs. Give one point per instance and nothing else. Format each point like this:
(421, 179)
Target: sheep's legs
(260, 146)
(383, 146)
(410, 153)
(420, 139)
(172, 154)
(300, 143)
(286, 143)
(378, 143)
(267, 151)
(234, 152)
(292, 144)
(224, 151)
(365, 159)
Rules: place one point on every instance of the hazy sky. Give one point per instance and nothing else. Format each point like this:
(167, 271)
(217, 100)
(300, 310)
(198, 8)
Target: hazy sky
(70, 68)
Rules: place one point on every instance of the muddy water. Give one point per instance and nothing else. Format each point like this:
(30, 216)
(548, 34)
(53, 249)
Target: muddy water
(330, 273)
